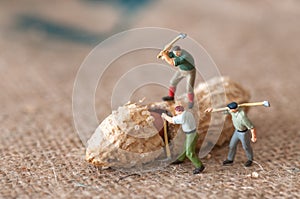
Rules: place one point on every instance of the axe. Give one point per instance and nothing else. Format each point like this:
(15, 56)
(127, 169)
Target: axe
(169, 45)
(166, 140)
(263, 103)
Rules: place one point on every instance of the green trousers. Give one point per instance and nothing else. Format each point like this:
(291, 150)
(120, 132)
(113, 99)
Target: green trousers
(190, 150)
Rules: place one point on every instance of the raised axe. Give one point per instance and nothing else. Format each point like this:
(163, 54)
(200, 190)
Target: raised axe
(169, 45)
(263, 103)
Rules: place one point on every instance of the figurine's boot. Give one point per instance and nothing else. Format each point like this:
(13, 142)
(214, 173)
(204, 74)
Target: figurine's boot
(170, 97)
(191, 100)
(177, 162)
(248, 163)
(199, 169)
(227, 162)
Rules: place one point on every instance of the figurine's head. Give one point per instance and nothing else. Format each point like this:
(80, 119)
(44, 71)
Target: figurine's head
(233, 107)
(179, 110)
(176, 50)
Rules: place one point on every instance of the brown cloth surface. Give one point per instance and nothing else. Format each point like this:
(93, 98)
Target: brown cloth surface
(256, 43)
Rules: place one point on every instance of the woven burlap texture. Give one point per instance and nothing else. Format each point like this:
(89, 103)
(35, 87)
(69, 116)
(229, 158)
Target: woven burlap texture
(41, 155)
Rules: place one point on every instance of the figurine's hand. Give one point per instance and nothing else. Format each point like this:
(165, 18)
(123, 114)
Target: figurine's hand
(163, 115)
(159, 55)
(162, 54)
(165, 53)
(208, 110)
(253, 135)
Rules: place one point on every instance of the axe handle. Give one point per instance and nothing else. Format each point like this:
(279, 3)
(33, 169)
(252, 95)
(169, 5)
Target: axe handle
(240, 105)
(252, 104)
(168, 46)
(166, 140)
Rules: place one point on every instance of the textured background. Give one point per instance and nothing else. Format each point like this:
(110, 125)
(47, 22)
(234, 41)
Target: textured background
(43, 43)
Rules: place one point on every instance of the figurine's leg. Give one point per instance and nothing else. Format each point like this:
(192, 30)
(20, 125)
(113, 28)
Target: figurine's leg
(182, 156)
(190, 78)
(190, 148)
(245, 139)
(177, 77)
(190, 81)
(232, 146)
(172, 90)
(191, 100)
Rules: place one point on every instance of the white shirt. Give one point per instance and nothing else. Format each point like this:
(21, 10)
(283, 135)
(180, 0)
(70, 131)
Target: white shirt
(187, 120)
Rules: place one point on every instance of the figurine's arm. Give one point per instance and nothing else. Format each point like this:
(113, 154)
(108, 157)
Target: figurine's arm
(250, 126)
(253, 134)
(208, 110)
(212, 110)
(168, 118)
(167, 58)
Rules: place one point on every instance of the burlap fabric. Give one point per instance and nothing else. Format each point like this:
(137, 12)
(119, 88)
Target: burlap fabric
(255, 43)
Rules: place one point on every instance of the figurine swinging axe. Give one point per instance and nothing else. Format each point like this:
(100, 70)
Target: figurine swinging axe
(184, 63)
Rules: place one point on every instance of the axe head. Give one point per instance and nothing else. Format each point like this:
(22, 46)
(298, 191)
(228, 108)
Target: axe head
(266, 104)
(182, 35)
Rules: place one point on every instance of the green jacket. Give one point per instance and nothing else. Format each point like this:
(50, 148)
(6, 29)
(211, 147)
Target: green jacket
(185, 61)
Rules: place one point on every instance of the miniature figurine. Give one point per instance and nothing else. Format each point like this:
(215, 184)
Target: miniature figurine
(186, 68)
(187, 120)
(242, 126)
